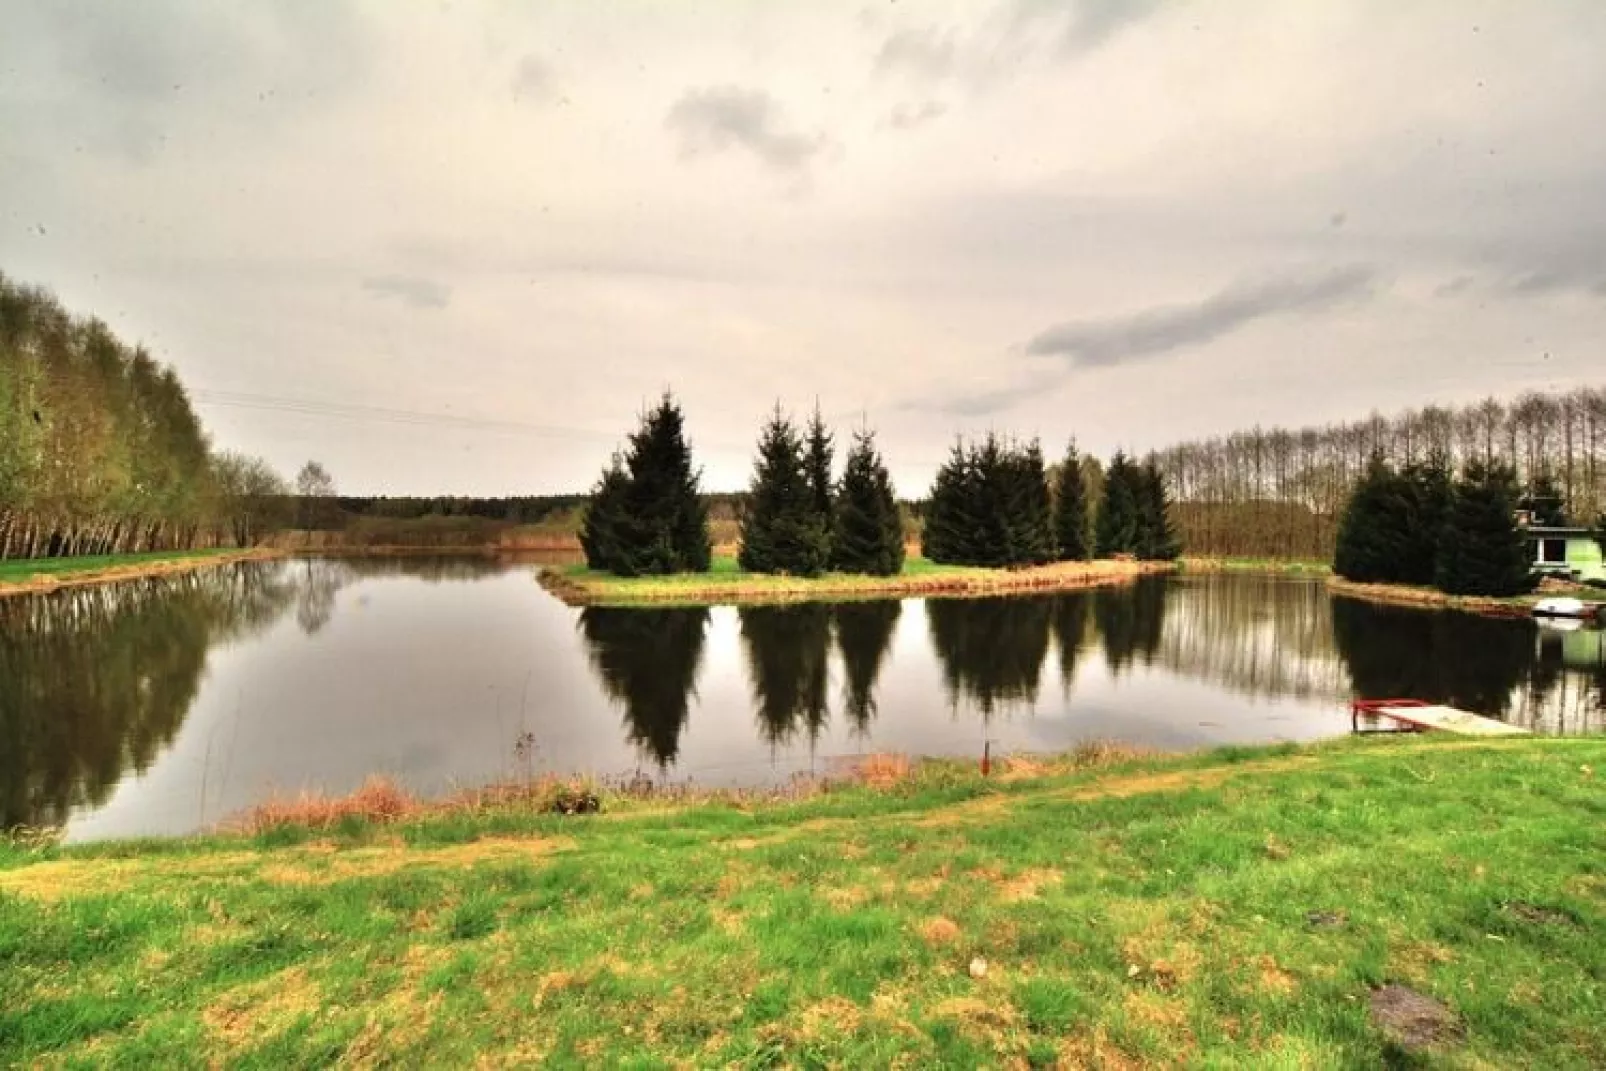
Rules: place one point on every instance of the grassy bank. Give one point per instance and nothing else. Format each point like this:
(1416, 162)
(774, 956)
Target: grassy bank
(1433, 598)
(46, 574)
(1280, 566)
(725, 582)
(1227, 909)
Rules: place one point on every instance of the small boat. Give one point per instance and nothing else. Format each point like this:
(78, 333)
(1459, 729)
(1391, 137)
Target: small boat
(1576, 609)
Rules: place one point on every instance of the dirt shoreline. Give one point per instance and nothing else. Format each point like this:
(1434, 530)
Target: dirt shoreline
(1060, 576)
(1518, 606)
(41, 583)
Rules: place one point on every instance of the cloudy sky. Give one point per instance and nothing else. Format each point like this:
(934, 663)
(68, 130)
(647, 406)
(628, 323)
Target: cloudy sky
(456, 246)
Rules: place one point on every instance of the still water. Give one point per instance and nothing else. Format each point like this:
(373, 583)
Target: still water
(159, 706)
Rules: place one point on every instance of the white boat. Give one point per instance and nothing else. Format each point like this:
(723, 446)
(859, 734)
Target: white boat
(1565, 607)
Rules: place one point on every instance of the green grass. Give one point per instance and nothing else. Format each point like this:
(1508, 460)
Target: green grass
(21, 570)
(1152, 913)
(727, 582)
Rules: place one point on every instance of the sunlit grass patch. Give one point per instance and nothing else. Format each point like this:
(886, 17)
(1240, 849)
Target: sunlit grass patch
(1220, 909)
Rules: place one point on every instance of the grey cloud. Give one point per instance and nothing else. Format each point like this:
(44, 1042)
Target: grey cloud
(1093, 22)
(1117, 340)
(1454, 287)
(411, 290)
(721, 118)
(125, 78)
(532, 79)
(909, 116)
(919, 51)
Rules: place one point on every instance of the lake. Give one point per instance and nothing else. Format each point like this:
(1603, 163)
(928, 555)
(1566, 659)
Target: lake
(160, 706)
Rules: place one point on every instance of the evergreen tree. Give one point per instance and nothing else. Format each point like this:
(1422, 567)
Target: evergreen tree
(1029, 516)
(869, 531)
(1426, 490)
(1374, 529)
(601, 527)
(657, 518)
(819, 452)
(1157, 538)
(1545, 501)
(949, 533)
(1119, 521)
(1481, 549)
(1071, 533)
(781, 532)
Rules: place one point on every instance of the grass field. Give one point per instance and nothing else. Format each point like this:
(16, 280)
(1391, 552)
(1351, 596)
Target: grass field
(725, 582)
(27, 573)
(1235, 908)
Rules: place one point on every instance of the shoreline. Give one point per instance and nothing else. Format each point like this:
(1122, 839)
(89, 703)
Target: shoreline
(180, 562)
(1424, 598)
(1257, 566)
(576, 586)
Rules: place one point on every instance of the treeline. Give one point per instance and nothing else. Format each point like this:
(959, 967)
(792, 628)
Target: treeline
(1417, 525)
(100, 450)
(994, 503)
(1278, 492)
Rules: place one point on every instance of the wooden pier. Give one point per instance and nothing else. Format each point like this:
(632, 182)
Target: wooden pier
(1415, 716)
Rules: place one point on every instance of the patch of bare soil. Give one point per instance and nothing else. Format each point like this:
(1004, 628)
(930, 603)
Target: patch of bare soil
(1413, 1020)
(1539, 915)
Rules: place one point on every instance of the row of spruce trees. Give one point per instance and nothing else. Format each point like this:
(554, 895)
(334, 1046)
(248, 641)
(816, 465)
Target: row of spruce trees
(994, 503)
(991, 505)
(1419, 525)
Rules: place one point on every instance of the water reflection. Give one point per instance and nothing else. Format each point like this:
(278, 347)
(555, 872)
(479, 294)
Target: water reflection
(786, 649)
(222, 685)
(991, 650)
(647, 662)
(95, 681)
(864, 639)
(1461, 660)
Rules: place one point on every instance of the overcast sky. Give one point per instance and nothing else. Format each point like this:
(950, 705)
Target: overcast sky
(478, 237)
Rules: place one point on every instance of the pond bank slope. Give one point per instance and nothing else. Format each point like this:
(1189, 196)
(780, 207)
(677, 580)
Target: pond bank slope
(1229, 907)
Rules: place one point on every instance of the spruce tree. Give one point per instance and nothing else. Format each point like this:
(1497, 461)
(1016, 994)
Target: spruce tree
(819, 452)
(1119, 520)
(601, 528)
(664, 527)
(948, 534)
(1544, 500)
(869, 530)
(1374, 529)
(781, 532)
(1426, 490)
(1481, 549)
(1071, 537)
(1157, 538)
(1027, 513)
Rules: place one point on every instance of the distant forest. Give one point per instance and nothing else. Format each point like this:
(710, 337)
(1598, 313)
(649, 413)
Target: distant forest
(101, 452)
(1279, 493)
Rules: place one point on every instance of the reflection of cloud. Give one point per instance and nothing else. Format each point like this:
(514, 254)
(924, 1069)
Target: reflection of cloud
(413, 290)
(721, 118)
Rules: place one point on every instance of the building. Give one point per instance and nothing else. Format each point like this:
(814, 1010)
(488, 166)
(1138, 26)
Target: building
(1573, 553)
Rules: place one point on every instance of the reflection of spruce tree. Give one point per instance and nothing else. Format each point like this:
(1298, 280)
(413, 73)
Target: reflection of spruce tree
(95, 682)
(991, 650)
(864, 637)
(1462, 660)
(1070, 627)
(1131, 621)
(647, 661)
(787, 647)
